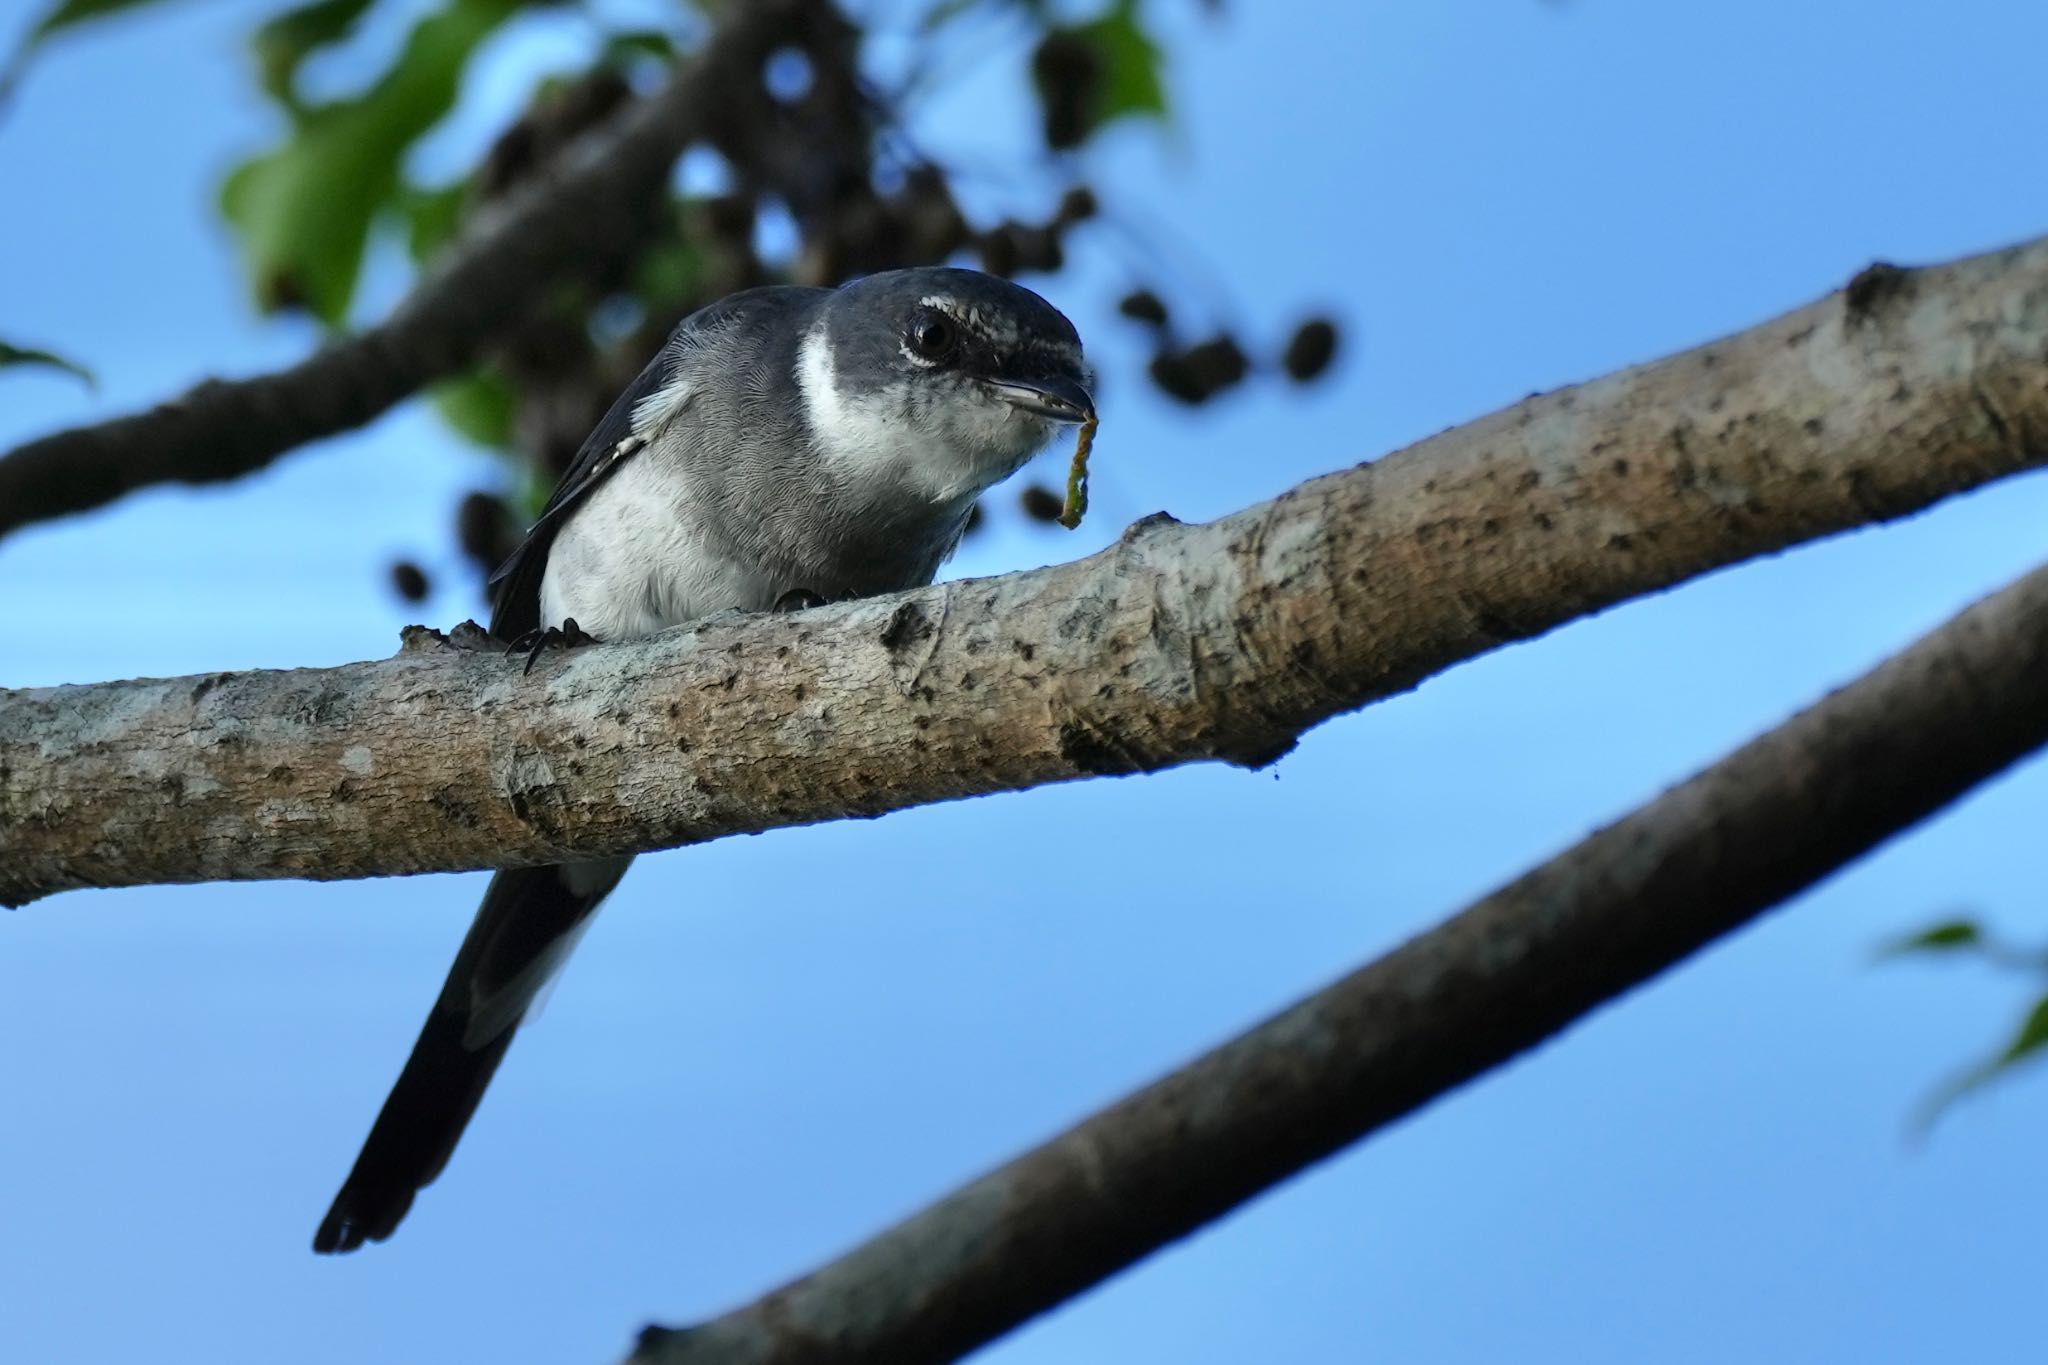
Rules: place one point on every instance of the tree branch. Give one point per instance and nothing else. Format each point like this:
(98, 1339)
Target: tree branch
(1178, 644)
(1772, 818)
(501, 269)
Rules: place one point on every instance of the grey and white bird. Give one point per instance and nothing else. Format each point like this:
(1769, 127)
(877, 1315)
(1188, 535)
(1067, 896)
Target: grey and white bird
(787, 444)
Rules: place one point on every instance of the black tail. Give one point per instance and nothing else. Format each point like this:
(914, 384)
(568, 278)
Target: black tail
(528, 921)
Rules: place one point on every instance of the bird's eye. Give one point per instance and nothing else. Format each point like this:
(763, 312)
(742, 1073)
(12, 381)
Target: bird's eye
(932, 336)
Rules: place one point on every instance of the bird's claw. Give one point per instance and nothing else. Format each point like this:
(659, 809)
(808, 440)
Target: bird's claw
(568, 635)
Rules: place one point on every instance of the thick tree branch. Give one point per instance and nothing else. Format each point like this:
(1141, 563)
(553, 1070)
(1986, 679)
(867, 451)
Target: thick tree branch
(1772, 818)
(502, 268)
(1180, 643)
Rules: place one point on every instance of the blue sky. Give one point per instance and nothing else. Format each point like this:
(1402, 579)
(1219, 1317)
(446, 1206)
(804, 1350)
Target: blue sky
(773, 1046)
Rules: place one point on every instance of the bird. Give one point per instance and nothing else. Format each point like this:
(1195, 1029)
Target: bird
(787, 446)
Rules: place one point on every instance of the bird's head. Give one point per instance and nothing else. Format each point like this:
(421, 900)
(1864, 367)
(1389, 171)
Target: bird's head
(940, 381)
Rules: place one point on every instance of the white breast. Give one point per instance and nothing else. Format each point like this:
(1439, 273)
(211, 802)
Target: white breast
(632, 561)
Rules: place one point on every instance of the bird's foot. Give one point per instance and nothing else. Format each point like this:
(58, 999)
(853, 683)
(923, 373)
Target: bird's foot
(568, 635)
(797, 599)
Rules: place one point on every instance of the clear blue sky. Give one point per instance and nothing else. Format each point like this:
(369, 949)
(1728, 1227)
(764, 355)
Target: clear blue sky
(771, 1047)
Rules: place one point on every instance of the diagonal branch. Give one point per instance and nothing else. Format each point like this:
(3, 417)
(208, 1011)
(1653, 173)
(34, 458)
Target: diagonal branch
(502, 268)
(1181, 643)
(1777, 815)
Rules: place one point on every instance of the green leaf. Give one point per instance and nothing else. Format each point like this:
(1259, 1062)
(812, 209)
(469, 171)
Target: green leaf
(286, 41)
(480, 405)
(432, 217)
(1946, 937)
(2030, 1038)
(12, 355)
(1089, 75)
(1131, 82)
(63, 15)
(304, 210)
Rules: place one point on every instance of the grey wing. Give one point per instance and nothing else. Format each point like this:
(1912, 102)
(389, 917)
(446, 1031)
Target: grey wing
(515, 586)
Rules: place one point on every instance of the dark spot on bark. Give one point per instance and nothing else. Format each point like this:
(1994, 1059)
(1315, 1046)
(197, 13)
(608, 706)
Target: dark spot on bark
(1620, 469)
(682, 746)
(281, 773)
(908, 625)
(730, 681)
(675, 709)
(579, 741)
(1543, 522)
(1528, 480)
(921, 722)
(1092, 751)
(1025, 649)
(1875, 286)
(1494, 626)
(799, 692)
(174, 788)
(453, 807)
(1489, 527)
(1619, 542)
(205, 685)
(1814, 426)
(344, 790)
(1303, 653)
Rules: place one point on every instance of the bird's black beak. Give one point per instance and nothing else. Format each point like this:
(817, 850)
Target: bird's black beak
(1063, 400)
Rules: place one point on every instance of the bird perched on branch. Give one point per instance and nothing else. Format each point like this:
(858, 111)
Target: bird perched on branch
(787, 446)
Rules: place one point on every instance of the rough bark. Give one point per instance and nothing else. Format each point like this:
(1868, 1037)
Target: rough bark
(1774, 817)
(506, 265)
(1181, 643)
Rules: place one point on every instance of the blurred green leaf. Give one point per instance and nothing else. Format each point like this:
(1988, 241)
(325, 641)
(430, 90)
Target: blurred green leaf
(1131, 81)
(480, 405)
(287, 40)
(12, 355)
(432, 217)
(1090, 75)
(2031, 1037)
(304, 210)
(1945, 937)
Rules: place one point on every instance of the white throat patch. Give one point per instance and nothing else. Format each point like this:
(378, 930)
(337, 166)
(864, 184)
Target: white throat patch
(860, 433)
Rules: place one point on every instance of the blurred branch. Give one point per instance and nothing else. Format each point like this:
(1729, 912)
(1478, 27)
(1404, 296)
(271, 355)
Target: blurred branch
(1180, 643)
(1771, 819)
(499, 272)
